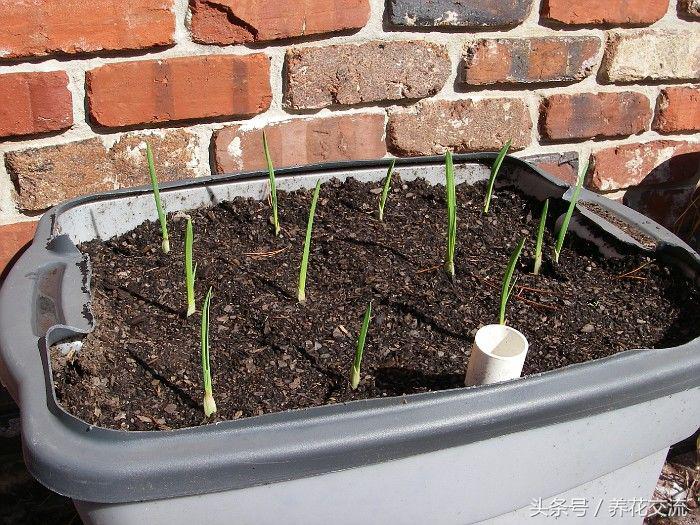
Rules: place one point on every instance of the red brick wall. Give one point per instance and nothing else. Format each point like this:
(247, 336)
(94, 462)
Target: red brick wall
(83, 85)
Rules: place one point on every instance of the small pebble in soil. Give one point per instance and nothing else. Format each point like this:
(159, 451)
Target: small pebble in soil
(587, 328)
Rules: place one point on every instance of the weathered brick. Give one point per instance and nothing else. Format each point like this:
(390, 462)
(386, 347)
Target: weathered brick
(458, 13)
(301, 141)
(689, 8)
(678, 110)
(594, 115)
(244, 21)
(459, 125)
(41, 27)
(563, 166)
(174, 89)
(528, 60)
(656, 162)
(14, 237)
(46, 176)
(317, 77)
(610, 12)
(652, 55)
(34, 103)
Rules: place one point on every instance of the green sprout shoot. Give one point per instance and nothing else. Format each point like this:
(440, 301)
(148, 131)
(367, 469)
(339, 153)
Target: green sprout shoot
(385, 190)
(190, 272)
(273, 186)
(494, 173)
(451, 200)
(540, 237)
(156, 195)
(569, 212)
(209, 404)
(307, 245)
(360, 350)
(506, 288)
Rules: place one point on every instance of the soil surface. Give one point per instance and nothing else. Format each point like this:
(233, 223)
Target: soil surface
(140, 369)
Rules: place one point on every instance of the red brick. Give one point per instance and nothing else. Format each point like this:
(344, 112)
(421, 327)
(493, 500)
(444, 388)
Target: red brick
(594, 115)
(45, 27)
(459, 125)
(528, 60)
(656, 162)
(604, 12)
(563, 166)
(48, 175)
(318, 77)
(14, 237)
(301, 141)
(678, 110)
(175, 89)
(244, 21)
(34, 103)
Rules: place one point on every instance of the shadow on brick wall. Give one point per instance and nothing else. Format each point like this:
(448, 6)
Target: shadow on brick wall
(675, 203)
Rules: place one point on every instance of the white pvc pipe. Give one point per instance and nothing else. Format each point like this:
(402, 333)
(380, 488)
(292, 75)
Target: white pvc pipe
(498, 355)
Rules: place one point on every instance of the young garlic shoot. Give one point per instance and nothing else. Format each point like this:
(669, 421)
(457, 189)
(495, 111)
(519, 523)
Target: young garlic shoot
(569, 212)
(190, 271)
(360, 349)
(156, 195)
(273, 185)
(451, 201)
(209, 404)
(494, 173)
(506, 287)
(301, 289)
(385, 190)
(540, 237)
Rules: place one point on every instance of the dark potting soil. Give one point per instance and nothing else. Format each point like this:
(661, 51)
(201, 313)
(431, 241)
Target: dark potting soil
(140, 369)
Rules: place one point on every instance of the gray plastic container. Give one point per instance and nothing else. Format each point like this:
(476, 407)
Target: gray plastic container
(594, 432)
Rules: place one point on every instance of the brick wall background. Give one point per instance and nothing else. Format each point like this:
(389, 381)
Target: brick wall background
(84, 84)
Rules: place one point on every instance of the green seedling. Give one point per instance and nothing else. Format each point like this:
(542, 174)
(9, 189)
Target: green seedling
(507, 288)
(451, 201)
(494, 173)
(360, 350)
(273, 186)
(209, 404)
(540, 237)
(190, 272)
(385, 190)
(301, 290)
(156, 195)
(569, 212)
